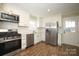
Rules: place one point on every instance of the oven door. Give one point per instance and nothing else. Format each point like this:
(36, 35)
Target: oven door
(12, 45)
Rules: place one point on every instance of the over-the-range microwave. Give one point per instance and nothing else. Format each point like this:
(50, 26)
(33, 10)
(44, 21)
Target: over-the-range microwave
(8, 17)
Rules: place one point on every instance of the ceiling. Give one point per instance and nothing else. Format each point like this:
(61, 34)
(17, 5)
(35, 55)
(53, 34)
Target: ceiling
(41, 9)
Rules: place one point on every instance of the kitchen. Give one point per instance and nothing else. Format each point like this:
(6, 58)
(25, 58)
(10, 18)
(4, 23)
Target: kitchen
(26, 25)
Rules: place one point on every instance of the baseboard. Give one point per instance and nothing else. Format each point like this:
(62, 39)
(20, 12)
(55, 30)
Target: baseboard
(38, 42)
(73, 44)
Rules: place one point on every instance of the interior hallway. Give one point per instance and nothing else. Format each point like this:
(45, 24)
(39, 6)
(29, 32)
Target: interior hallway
(44, 49)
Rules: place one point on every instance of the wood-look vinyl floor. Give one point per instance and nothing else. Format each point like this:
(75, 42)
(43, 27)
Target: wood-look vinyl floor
(44, 49)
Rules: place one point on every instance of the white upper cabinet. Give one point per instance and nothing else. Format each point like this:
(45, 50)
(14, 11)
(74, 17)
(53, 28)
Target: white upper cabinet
(24, 20)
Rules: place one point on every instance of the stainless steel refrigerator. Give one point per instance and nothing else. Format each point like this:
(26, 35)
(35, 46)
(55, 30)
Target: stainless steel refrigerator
(52, 34)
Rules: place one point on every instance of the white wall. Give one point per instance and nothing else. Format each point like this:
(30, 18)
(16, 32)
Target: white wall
(1, 5)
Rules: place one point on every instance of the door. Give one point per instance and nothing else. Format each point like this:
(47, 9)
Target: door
(70, 33)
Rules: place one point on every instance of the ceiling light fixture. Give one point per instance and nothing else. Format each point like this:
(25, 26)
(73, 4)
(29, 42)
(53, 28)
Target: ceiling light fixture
(48, 10)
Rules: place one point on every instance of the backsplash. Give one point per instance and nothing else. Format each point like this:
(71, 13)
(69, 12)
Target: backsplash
(8, 25)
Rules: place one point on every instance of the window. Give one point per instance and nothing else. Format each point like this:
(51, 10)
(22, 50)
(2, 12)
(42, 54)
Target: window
(69, 26)
(32, 25)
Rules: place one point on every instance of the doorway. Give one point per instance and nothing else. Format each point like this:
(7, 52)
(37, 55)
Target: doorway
(71, 30)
